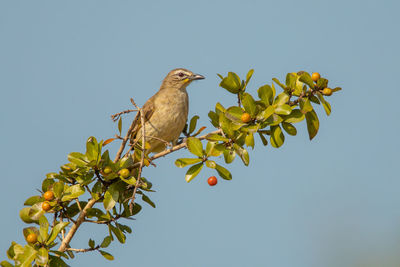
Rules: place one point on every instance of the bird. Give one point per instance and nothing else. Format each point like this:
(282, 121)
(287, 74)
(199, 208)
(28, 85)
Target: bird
(165, 113)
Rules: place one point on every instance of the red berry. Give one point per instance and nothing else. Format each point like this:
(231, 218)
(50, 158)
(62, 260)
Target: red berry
(212, 181)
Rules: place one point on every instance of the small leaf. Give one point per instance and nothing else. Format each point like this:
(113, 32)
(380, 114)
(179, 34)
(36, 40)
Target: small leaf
(44, 227)
(295, 116)
(108, 141)
(110, 199)
(224, 173)
(289, 128)
(277, 138)
(33, 200)
(306, 78)
(210, 164)
(148, 200)
(118, 233)
(193, 172)
(266, 93)
(284, 109)
(249, 141)
(55, 231)
(183, 162)
(325, 104)
(106, 242)
(106, 255)
(213, 149)
(78, 158)
(57, 262)
(6, 264)
(91, 243)
(322, 83)
(267, 112)
(248, 76)
(263, 139)
(305, 105)
(193, 123)
(120, 125)
(195, 147)
(231, 83)
(279, 83)
(243, 154)
(72, 192)
(249, 104)
(216, 137)
(312, 124)
(229, 155)
(42, 257)
(281, 99)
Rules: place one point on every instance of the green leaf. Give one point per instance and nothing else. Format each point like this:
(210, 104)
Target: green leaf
(281, 99)
(267, 112)
(110, 198)
(229, 155)
(193, 122)
(148, 200)
(226, 125)
(312, 124)
(306, 78)
(284, 109)
(279, 83)
(220, 76)
(263, 139)
(213, 149)
(224, 173)
(33, 200)
(216, 137)
(120, 125)
(58, 189)
(92, 149)
(336, 89)
(289, 128)
(277, 138)
(213, 118)
(183, 162)
(325, 104)
(78, 158)
(42, 256)
(91, 243)
(193, 172)
(231, 83)
(55, 231)
(266, 93)
(322, 83)
(24, 215)
(291, 80)
(72, 192)
(305, 105)
(44, 227)
(249, 104)
(243, 154)
(57, 262)
(106, 242)
(295, 116)
(35, 212)
(210, 164)
(6, 264)
(234, 113)
(118, 233)
(25, 259)
(195, 146)
(106, 255)
(248, 76)
(249, 141)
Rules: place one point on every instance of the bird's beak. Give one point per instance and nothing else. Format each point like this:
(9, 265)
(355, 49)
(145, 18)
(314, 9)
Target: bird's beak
(196, 77)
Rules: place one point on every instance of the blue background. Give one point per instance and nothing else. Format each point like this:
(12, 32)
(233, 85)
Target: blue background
(66, 66)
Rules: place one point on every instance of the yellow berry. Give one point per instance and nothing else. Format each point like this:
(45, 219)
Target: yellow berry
(124, 173)
(315, 76)
(245, 117)
(48, 195)
(31, 238)
(327, 91)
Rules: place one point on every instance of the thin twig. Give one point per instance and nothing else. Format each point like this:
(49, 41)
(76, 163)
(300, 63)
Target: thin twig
(116, 116)
(127, 136)
(141, 158)
(83, 249)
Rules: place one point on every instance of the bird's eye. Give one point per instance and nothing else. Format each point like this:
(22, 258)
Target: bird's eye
(181, 74)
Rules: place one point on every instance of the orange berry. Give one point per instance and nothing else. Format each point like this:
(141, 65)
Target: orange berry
(31, 238)
(212, 180)
(48, 195)
(315, 76)
(327, 91)
(46, 206)
(124, 173)
(245, 117)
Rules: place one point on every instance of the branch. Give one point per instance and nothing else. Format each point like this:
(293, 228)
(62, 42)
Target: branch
(115, 117)
(83, 249)
(141, 158)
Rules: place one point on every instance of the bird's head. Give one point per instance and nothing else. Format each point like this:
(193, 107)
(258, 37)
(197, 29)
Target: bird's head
(180, 78)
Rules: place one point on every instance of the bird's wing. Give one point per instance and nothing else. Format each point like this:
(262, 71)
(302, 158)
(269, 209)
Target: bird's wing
(148, 110)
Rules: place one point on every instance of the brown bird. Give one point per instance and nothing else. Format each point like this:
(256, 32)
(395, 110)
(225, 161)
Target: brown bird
(166, 112)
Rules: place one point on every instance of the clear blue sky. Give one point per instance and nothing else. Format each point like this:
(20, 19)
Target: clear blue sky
(65, 66)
